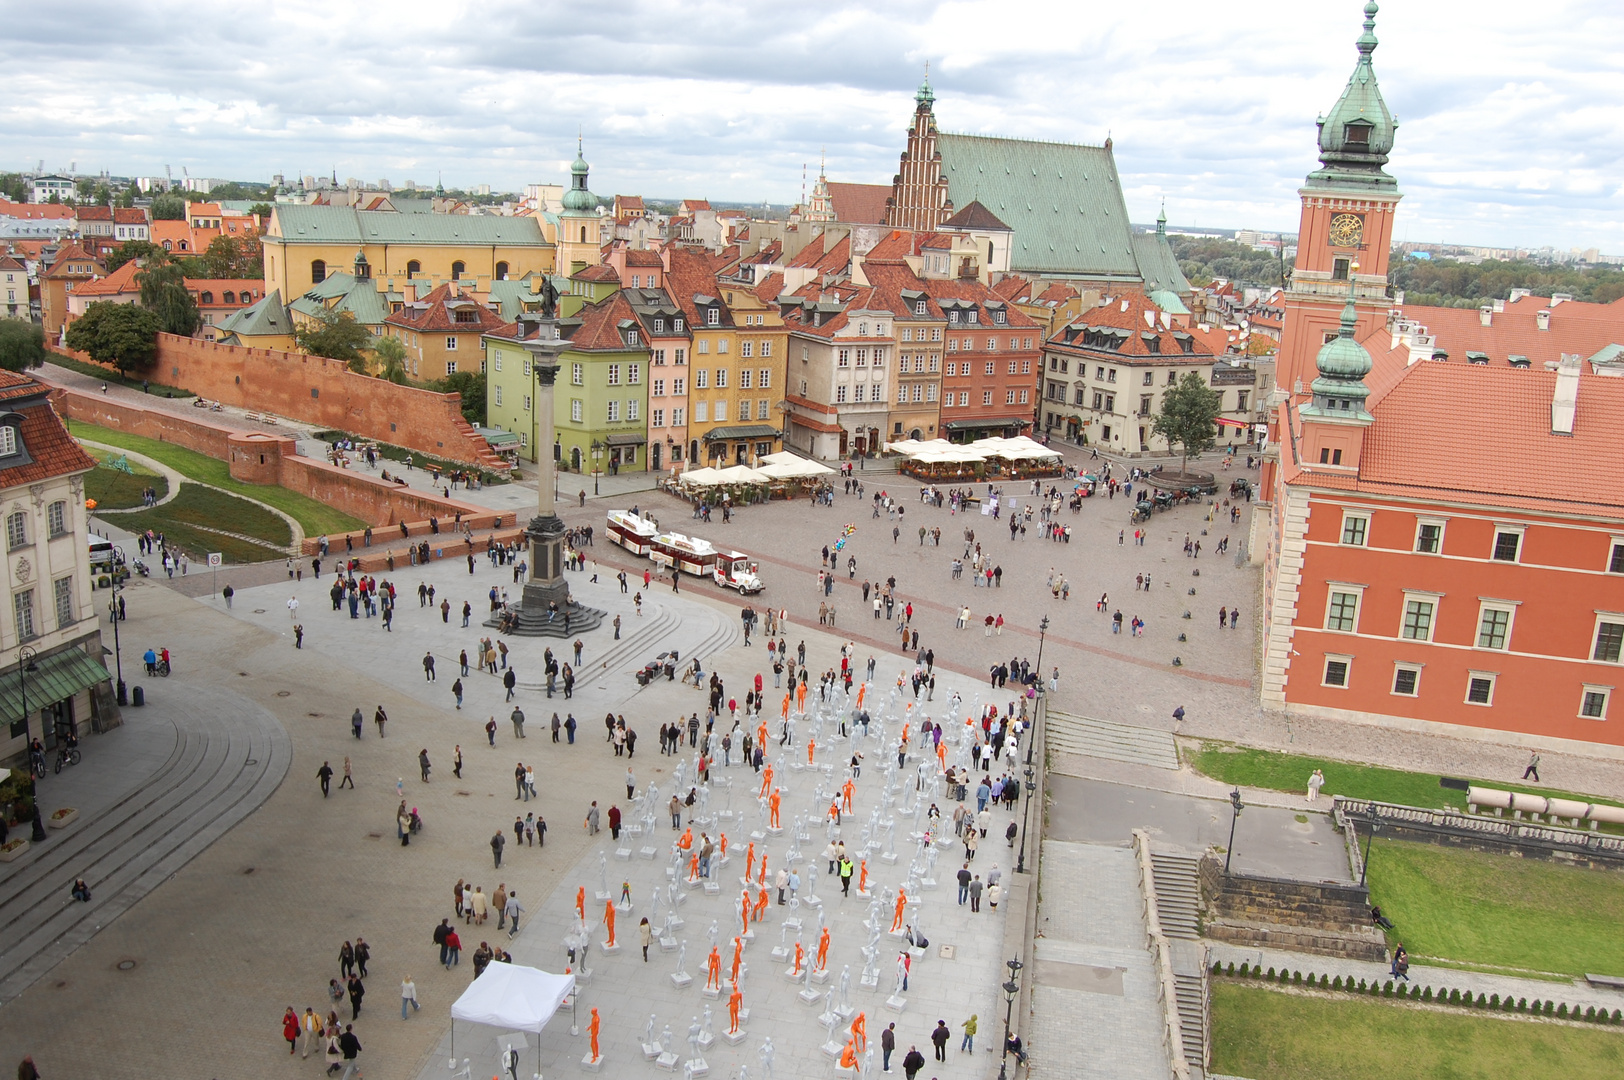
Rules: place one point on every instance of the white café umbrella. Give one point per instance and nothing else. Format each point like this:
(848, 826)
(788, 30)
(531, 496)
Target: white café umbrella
(512, 996)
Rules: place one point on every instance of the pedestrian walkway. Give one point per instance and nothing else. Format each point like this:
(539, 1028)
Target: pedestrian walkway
(1096, 1012)
(151, 794)
(1575, 993)
(1070, 733)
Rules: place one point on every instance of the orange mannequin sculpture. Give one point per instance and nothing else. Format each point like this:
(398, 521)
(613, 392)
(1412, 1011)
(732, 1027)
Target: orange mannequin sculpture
(862, 878)
(784, 712)
(823, 951)
(750, 861)
(848, 1055)
(800, 698)
(761, 904)
(609, 921)
(761, 735)
(848, 789)
(902, 901)
(834, 810)
(738, 955)
(592, 1030)
(687, 840)
(580, 904)
(862, 692)
(744, 911)
(693, 867)
(810, 746)
(721, 843)
(859, 1031)
(941, 757)
(800, 956)
(733, 1000)
(762, 878)
(772, 808)
(713, 970)
(766, 781)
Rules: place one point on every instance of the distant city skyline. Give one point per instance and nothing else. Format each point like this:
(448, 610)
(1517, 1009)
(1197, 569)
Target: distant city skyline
(1509, 132)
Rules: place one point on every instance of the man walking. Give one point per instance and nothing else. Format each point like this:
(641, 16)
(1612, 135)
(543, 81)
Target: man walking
(497, 842)
(888, 1043)
(325, 775)
(351, 1046)
(1533, 767)
(592, 819)
(514, 910)
(428, 667)
(518, 722)
(940, 1037)
(964, 884)
(912, 1063)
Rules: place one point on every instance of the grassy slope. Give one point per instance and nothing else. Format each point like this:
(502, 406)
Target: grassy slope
(1268, 1035)
(1496, 910)
(315, 517)
(116, 490)
(189, 519)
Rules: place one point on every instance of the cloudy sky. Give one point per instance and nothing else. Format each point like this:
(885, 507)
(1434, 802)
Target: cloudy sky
(1511, 130)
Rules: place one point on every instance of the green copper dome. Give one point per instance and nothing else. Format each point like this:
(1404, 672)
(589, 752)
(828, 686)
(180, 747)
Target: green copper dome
(578, 198)
(1357, 135)
(1343, 364)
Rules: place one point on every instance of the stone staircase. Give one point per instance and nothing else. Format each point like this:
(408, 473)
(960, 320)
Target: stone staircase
(1178, 893)
(1193, 992)
(1068, 733)
(1326, 918)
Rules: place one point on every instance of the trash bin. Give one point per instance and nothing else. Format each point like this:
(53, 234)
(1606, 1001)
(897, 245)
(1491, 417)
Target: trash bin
(138, 697)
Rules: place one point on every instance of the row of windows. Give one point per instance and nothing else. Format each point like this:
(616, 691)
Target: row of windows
(1480, 686)
(1429, 539)
(705, 412)
(18, 525)
(986, 398)
(990, 367)
(633, 410)
(657, 419)
(703, 377)
(1104, 374)
(969, 344)
(1494, 621)
(920, 362)
(843, 357)
(915, 392)
(612, 372)
(22, 608)
(935, 334)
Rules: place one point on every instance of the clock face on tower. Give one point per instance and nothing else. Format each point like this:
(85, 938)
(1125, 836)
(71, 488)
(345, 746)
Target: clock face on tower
(1347, 230)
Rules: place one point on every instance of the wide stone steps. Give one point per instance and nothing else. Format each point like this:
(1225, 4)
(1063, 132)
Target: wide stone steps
(1192, 1005)
(1178, 894)
(1085, 736)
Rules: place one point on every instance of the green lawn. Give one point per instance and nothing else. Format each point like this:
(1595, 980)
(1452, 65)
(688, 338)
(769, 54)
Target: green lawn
(157, 389)
(420, 460)
(1499, 911)
(1268, 1035)
(116, 490)
(315, 517)
(1289, 772)
(191, 518)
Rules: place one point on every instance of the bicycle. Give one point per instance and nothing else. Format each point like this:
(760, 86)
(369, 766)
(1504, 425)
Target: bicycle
(65, 755)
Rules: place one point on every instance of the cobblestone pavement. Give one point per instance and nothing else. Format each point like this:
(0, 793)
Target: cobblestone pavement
(253, 923)
(1095, 1008)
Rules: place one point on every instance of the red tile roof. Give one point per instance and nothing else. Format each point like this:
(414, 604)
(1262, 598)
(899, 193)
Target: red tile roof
(120, 281)
(52, 450)
(643, 257)
(72, 254)
(860, 204)
(1575, 327)
(1128, 313)
(976, 216)
(1416, 447)
(770, 287)
(600, 324)
(596, 273)
(8, 263)
(36, 211)
(95, 213)
(894, 247)
(437, 312)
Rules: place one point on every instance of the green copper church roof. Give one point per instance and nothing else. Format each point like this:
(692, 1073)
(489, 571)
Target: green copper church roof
(1062, 201)
(578, 199)
(1357, 135)
(1343, 364)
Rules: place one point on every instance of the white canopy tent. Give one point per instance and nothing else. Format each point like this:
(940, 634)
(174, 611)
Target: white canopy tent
(702, 477)
(793, 469)
(739, 474)
(514, 997)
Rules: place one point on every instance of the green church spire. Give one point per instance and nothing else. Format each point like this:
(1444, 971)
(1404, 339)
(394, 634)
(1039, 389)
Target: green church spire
(1356, 137)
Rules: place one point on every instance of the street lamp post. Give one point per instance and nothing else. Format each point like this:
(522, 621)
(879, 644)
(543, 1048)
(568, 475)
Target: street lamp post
(1235, 815)
(25, 663)
(1031, 786)
(1370, 838)
(1011, 988)
(1031, 736)
(118, 656)
(597, 458)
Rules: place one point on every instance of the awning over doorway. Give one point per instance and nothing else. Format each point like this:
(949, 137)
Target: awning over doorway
(59, 676)
(626, 440)
(972, 425)
(741, 431)
(1224, 421)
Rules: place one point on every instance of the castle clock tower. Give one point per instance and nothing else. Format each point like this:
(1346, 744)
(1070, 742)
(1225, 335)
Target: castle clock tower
(1347, 224)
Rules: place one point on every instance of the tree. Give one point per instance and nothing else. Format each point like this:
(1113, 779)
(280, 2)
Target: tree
(1189, 416)
(389, 360)
(168, 207)
(22, 344)
(135, 249)
(126, 198)
(123, 335)
(234, 257)
(163, 292)
(101, 195)
(263, 209)
(13, 187)
(334, 334)
(471, 385)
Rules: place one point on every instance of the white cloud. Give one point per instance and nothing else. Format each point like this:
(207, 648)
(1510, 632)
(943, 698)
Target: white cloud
(1510, 132)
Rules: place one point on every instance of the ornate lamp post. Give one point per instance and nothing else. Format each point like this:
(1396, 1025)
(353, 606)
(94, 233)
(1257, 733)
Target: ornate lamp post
(1235, 815)
(1031, 786)
(1031, 736)
(1010, 988)
(1370, 838)
(597, 458)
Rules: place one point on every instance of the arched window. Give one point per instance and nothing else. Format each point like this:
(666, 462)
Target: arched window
(16, 530)
(413, 268)
(318, 271)
(583, 234)
(501, 271)
(456, 271)
(229, 297)
(207, 297)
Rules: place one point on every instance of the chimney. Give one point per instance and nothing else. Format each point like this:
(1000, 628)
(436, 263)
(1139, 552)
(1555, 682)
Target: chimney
(1565, 399)
(1485, 315)
(1542, 318)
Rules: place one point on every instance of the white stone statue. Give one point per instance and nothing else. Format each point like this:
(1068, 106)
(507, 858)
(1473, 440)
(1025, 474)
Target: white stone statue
(845, 990)
(765, 1056)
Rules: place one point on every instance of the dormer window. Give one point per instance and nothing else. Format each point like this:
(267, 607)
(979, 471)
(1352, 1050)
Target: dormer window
(659, 326)
(632, 337)
(1356, 135)
(998, 317)
(919, 307)
(952, 318)
(713, 316)
(973, 317)
(676, 325)
(8, 440)
(862, 329)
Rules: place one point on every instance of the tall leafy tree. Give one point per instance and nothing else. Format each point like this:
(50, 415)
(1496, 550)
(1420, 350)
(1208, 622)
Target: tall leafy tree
(234, 257)
(135, 249)
(126, 198)
(163, 292)
(1189, 417)
(263, 209)
(471, 385)
(123, 335)
(22, 344)
(389, 360)
(168, 207)
(334, 334)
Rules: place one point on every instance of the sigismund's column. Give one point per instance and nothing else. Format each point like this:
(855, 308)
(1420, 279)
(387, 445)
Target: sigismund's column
(546, 530)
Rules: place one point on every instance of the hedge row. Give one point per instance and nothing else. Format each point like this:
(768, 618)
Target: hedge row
(1406, 990)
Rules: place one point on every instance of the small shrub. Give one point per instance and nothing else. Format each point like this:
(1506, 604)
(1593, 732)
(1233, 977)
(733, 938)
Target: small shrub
(1246, 969)
(1426, 995)
(1522, 1004)
(1297, 978)
(1590, 1014)
(1361, 986)
(1387, 989)
(1494, 1001)
(1548, 1008)
(1325, 982)
(1562, 1010)
(1270, 975)
(1454, 997)
(1336, 983)
(1232, 969)
(1217, 967)
(1618, 1016)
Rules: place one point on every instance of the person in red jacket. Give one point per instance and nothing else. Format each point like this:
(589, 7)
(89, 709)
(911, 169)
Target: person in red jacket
(453, 949)
(290, 1029)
